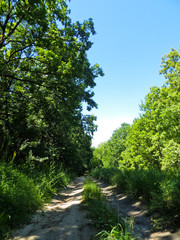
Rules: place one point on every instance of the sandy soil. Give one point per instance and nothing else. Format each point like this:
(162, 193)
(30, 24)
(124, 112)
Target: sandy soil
(142, 224)
(62, 219)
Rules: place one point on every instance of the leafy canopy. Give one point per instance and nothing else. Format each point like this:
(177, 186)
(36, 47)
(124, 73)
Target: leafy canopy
(45, 76)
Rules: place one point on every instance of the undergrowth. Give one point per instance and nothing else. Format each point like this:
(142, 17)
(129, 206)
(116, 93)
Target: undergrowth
(116, 233)
(23, 191)
(159, 190)
(102, 215)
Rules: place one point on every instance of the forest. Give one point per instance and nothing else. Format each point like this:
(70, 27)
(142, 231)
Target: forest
(144, 159)
(45, 77)
(45, 139)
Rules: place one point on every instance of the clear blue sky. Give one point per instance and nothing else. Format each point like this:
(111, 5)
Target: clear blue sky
(131, 38)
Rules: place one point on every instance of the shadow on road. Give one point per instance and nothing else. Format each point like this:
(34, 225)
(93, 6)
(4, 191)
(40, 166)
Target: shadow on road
(62, 219)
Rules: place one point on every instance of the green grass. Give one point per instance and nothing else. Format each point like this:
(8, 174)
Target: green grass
(24, 191)
(116, 233)
(159, 190)
(102, 215)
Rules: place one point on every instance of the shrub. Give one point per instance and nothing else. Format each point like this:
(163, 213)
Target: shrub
(19, 198)
(144, 183)
(167, 202)
(160, 190)
(24, 191)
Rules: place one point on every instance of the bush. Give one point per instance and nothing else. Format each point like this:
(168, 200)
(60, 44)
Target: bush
(104, 174)
(24, 191)
(19, 198)
(160, 190)
(47, 179)
(120, 179)
(167, 202)
(171, 156)
(143, 183)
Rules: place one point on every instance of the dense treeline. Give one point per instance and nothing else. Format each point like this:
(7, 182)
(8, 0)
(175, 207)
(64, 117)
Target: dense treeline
(45, 77)
(146, 155)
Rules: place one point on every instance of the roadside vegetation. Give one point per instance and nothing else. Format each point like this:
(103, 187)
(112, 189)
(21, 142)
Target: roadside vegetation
(102, 215)
(45, 139)
(45, 79)
(159, 191)
(144, 159)
(24, 191)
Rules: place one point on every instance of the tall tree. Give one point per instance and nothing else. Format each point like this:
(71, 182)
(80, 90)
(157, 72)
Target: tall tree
(109, 153)
(154, 137)
(45, 76)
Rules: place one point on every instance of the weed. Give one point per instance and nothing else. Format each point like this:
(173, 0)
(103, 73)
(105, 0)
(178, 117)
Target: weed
(104, 217)
(116, 233)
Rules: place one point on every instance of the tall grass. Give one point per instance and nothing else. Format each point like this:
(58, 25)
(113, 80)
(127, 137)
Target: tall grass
(103, 216)
(23, 192)
(159, 190)
(116, 233)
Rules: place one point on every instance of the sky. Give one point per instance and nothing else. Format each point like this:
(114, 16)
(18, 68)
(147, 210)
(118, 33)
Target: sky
(131, 38)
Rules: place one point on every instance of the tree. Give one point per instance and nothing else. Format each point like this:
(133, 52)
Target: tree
(45, 76)
(109, 153)
(155, 135)
(117, 143)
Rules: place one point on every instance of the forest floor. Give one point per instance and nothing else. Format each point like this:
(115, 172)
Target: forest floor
(65, 219)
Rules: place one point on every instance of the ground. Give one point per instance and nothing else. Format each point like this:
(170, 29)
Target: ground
(65, 219)
(62, 219)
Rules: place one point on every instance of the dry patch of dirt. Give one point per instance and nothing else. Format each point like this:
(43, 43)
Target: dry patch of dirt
(62, 219)
(142, 224)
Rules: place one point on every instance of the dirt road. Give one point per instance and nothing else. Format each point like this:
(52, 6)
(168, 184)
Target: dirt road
(62, 219)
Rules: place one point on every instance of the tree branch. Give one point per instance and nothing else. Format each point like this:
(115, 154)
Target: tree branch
(12, 30)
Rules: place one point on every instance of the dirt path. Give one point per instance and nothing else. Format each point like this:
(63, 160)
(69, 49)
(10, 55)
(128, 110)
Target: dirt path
(62, 219)
(136, 211)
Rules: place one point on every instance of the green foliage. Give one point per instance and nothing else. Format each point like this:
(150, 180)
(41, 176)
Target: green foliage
(20, 197)
(157, 129)
(143, 183)
(23, 192)
(117, 233)
(104, 217)
(104, 173)
(159, 190)
(91, 191)
(171, 156)
(167, 202)
(45, 76)
(149, 156)
(117, 143)
(48, 179)
(109, 153)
